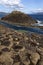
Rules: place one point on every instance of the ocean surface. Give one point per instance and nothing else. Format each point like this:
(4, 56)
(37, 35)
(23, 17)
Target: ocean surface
(2, 15)
(38, 18)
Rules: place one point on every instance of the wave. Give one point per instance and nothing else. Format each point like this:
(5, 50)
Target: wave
(38, 21)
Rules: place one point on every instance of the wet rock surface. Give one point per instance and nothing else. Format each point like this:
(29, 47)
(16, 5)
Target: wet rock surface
(20, 48)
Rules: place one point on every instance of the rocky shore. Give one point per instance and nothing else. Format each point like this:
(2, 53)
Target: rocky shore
(20, 48)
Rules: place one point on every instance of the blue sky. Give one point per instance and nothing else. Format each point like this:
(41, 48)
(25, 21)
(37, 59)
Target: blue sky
(27, 6)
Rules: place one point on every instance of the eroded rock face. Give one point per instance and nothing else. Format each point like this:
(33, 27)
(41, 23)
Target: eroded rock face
(35, 57)
(20, 48)
(6, 60)
(40, 50)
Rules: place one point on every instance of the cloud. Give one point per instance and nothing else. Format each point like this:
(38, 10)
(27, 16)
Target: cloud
(12, 3)
(37, 10)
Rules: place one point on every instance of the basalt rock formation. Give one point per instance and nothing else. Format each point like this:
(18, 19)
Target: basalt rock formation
(20, 48)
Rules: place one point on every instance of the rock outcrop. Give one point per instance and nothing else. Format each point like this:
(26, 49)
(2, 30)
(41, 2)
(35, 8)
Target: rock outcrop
(19, 18)
(20, 48)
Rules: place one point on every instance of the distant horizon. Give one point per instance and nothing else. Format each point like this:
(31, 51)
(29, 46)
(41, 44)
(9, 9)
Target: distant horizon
(26, 6)
(22, 11)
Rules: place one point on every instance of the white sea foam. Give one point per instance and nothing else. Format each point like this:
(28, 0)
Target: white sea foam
(38, 23)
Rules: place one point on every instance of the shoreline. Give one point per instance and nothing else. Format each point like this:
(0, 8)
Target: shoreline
(35, 30)
(35, 25)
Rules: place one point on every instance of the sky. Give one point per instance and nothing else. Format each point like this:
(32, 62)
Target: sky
(27, 6)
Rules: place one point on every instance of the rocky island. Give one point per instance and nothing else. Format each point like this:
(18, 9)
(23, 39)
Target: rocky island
(19, 18)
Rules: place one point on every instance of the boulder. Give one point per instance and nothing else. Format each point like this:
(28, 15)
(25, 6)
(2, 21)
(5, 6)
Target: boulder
(34, 58)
